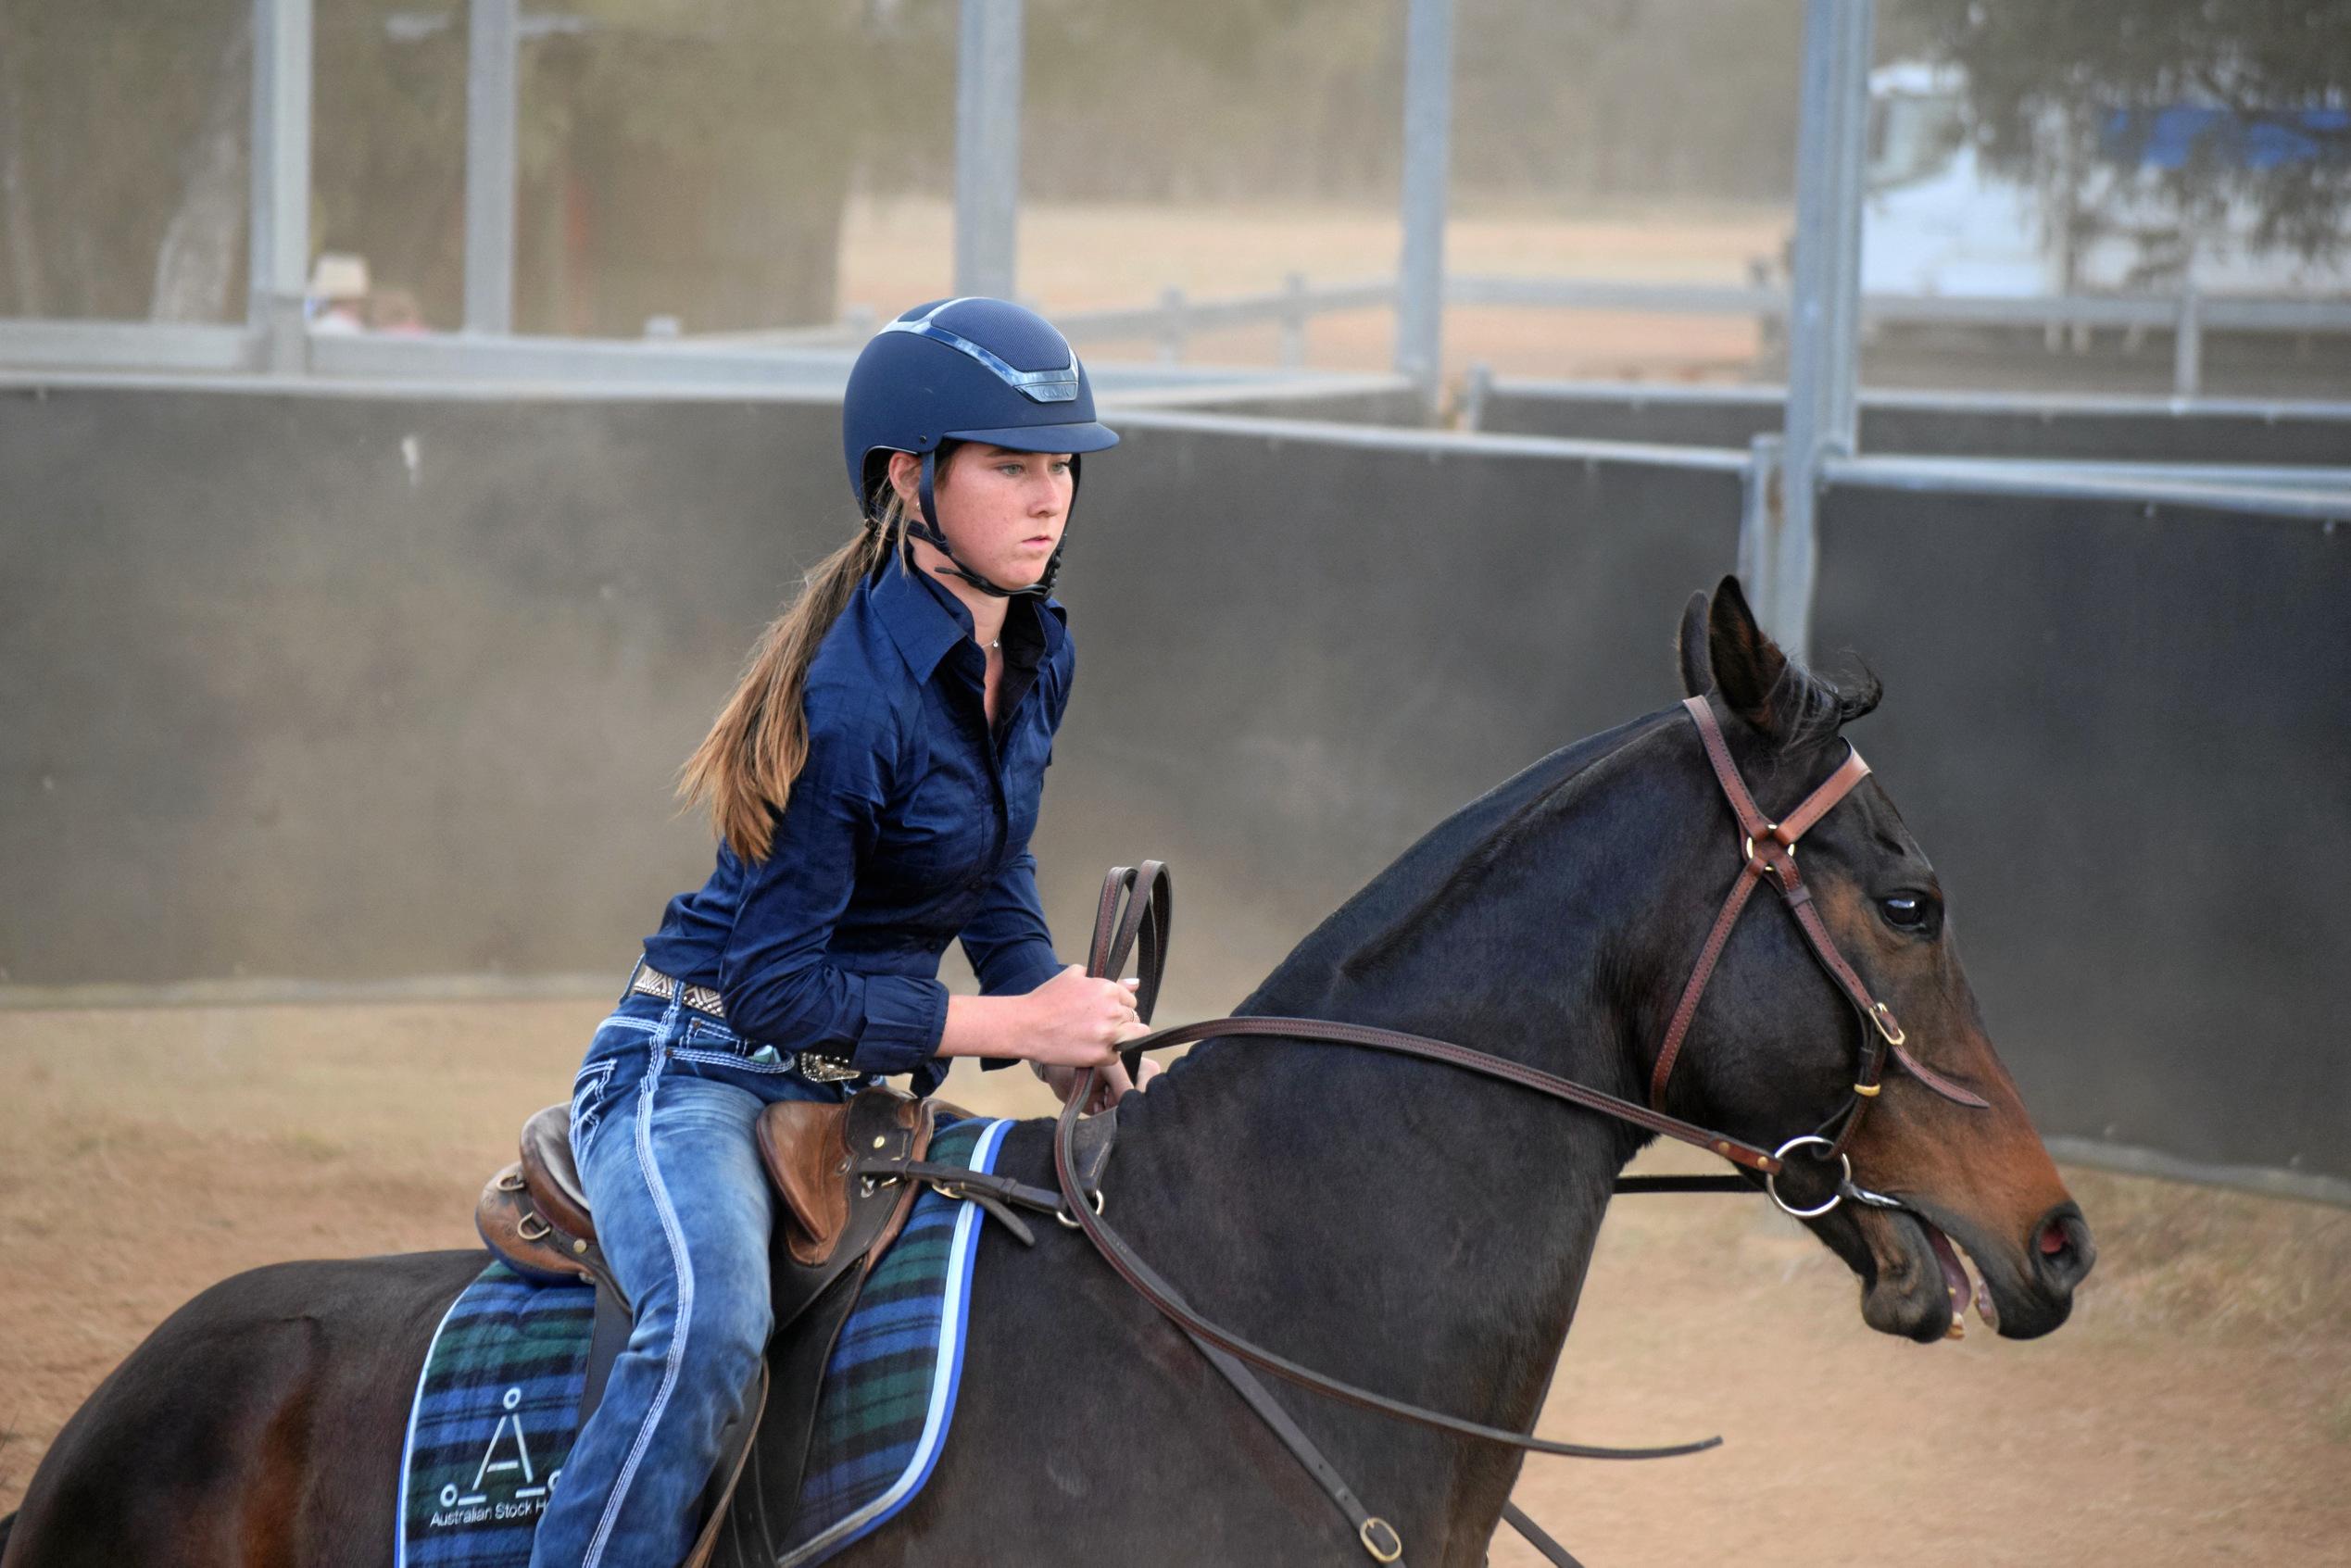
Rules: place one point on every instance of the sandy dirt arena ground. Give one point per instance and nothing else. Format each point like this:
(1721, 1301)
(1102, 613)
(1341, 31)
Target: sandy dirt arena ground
(2197, 1409)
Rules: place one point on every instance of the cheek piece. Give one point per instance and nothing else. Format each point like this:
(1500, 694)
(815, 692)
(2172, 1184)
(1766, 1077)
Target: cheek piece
(927, 529)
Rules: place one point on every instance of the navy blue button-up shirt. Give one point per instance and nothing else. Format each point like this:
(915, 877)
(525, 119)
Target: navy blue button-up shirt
(908, 827)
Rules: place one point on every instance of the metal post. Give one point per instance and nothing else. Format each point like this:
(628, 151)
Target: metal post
(1850, 159)
(278, 243)
(491, 74)
(987, 147)
(1173, 329)
(1293, 349)
(2187, 348)
(1477, 387)
(1428, 111)
(1762, 514)
(1824, 317)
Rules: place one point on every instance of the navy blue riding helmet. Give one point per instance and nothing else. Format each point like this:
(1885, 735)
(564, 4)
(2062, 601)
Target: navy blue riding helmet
(965, 370)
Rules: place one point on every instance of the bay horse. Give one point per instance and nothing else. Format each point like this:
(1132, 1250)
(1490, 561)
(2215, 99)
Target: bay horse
(1387, 1221)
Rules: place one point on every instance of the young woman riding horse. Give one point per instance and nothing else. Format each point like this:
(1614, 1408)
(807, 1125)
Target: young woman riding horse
(873, 780)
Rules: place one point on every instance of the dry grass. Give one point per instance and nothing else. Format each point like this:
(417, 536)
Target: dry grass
(2217, 1267)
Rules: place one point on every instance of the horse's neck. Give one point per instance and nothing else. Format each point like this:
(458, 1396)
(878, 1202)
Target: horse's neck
(1402, 1224)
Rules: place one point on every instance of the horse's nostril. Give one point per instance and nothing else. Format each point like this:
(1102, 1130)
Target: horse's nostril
(2062, 1250)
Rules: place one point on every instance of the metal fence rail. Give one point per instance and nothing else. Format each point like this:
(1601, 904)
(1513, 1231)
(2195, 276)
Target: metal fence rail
(1482, 380)
(2147, 485)
(1176, 318)
(126, 345)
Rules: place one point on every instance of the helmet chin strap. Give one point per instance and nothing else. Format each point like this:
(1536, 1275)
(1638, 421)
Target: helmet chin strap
(927, 531)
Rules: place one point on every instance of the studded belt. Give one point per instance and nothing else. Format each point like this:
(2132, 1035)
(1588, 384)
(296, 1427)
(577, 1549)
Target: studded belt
(814, 1066)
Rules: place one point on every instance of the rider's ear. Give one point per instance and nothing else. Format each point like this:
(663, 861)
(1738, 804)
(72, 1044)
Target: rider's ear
(1747, 665)
(1697, 669)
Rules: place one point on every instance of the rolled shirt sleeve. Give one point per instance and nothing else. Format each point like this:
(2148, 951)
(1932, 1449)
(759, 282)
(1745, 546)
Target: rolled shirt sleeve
(1007, 942)
(774, 976)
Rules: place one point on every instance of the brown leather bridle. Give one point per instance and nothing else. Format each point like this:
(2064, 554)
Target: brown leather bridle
(1133, 916)
(1769, 851)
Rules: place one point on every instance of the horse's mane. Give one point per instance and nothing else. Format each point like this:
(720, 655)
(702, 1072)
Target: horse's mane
(1807, 709)
(1447, 859)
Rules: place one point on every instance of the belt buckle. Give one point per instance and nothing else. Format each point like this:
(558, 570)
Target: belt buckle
(826, 1069)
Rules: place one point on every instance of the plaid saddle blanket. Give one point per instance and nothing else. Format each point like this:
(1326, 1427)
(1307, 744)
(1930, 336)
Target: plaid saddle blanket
(496, 1406)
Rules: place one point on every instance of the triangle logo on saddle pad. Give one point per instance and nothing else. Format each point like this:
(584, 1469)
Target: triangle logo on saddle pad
(498, 1404)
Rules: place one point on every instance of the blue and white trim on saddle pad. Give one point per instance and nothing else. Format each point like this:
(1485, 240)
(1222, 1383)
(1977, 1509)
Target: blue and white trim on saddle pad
(496, 1405)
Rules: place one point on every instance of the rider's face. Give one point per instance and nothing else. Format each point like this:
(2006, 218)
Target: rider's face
(1002, 510)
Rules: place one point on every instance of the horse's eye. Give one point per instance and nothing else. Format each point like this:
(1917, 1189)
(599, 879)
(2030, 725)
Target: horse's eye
(1904, 909)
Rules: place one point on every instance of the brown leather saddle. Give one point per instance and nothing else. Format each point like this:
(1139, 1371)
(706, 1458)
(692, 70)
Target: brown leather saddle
(845, 1174)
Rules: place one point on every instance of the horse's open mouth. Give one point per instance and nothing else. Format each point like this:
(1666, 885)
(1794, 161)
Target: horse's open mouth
(1955, 1282)
(1913, 1257)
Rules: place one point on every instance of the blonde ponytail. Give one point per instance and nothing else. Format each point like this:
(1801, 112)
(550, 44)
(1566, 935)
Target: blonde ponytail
(745, 766)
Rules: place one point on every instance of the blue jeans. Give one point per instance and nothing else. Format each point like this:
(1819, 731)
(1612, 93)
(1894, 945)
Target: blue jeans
(661, 1118)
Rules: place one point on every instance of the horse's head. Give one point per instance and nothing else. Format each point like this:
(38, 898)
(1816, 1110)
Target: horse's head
(1774, 1046)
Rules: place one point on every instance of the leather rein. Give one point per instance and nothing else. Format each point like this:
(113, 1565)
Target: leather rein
(1134, 917)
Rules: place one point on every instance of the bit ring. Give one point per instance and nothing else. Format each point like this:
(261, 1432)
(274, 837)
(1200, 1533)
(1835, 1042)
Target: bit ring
(1844, 1178)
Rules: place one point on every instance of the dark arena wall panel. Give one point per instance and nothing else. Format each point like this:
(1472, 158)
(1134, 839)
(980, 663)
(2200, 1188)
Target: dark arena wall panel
(2124, 738)
(366, 687)
(355, 687)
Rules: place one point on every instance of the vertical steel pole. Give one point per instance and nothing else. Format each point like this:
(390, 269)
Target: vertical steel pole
(2187, 344)
(1855, 45)
(1295, 312)
(1824, 317)
(1429, 112)
(278, 243)
(1760, 513)
(492, 70)
(987, 147)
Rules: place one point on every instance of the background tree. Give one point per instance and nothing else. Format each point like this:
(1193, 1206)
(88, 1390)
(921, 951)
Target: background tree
(694, 158)
(2054, 89)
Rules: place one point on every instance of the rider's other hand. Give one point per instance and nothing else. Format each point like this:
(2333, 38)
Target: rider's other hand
(1110, 1084)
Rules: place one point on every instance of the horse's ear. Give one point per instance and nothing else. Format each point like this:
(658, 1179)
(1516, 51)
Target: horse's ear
(1747, 665)
(1697, 667)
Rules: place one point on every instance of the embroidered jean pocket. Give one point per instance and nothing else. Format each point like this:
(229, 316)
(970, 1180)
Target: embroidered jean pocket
(587, 1105)
(707, 1037)
(743, 1057)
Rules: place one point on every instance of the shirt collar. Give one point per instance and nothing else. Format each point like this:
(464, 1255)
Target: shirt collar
(925, 620)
